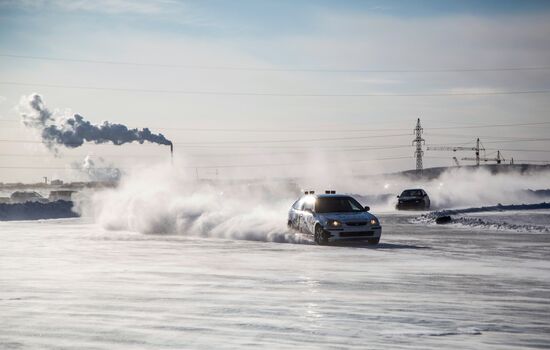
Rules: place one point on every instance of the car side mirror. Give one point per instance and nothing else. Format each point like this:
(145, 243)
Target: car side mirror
(397, 196)
(367, 208)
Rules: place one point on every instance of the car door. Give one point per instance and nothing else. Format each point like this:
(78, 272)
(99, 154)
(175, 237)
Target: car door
(426, 200)
(294, 214)
(307, 217)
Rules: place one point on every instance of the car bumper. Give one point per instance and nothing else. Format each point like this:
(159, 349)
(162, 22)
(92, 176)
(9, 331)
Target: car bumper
(410, 206)
(364, 233)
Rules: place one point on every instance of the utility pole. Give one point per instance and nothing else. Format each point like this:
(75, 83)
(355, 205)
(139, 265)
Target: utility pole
(477, 152)
(418, 153)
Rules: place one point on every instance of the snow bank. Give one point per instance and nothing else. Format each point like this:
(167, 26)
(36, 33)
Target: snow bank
(510, 220)
(498, 207)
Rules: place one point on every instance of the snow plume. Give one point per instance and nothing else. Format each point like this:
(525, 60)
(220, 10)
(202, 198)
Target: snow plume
(459, 187)
(73, 131)
(462, 187)
(97, 170)
(166, 200)
(169, 200)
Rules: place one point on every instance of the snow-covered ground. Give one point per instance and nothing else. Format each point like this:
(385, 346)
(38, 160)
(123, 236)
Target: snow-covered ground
(528, 218)
(67, 284)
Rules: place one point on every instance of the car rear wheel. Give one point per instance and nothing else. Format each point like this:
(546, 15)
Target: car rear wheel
(374, 240)
(319, 236)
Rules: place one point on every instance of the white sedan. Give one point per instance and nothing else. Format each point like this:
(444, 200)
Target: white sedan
(333, 217)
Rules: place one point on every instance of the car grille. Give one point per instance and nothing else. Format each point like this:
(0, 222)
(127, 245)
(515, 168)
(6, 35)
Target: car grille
(356, 223)
(357, 234)
(410, 204)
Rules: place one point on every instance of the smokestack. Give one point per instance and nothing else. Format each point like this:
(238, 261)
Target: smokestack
(171, 153)
(73, 131)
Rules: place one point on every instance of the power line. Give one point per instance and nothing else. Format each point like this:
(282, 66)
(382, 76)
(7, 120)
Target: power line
(213, 144)
(80, 156)
(235, 165)
(211, 166)
(334, 130)
(305, 150)
(500, 141)
(520, 140)
(286, 69)
(474, 136)
(277, 94)
(246, 142)
(294, 140)
(518, 150)
(235, 154)
(532, 161)
(517, 160)
(292, 164)
(489, 126)
(207, 147)
(344, 150)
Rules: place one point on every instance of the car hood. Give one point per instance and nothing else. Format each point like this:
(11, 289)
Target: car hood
(344, 217)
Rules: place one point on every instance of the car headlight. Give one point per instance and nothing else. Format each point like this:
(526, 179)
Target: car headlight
(334, 223)
(373, 222)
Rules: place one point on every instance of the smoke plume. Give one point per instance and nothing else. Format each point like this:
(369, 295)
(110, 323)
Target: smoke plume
(73, 131)
(97, 170)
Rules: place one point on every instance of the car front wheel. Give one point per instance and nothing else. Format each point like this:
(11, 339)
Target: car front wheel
(374, 240)
(319, 236)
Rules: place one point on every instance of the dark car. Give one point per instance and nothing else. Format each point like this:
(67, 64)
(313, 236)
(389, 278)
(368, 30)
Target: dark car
(413, 199)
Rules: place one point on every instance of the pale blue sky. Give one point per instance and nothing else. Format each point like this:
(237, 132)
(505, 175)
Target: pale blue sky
(277, 35)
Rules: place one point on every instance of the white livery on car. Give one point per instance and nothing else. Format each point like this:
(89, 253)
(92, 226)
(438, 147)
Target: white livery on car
(332, 217)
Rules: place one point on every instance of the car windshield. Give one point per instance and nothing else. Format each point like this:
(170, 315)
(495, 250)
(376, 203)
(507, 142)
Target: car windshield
(411, 193)
(337, 205)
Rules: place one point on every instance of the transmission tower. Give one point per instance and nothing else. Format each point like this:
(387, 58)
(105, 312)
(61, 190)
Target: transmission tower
(418, 141)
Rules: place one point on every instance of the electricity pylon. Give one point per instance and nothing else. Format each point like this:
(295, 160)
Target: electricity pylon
(418, 141)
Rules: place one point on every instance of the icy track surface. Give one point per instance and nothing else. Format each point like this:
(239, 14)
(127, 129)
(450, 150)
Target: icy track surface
(67, 284)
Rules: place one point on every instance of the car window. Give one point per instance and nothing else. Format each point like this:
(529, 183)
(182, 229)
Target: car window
(296, 205)
(337, 205)
(308, 205)
(412, 193)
